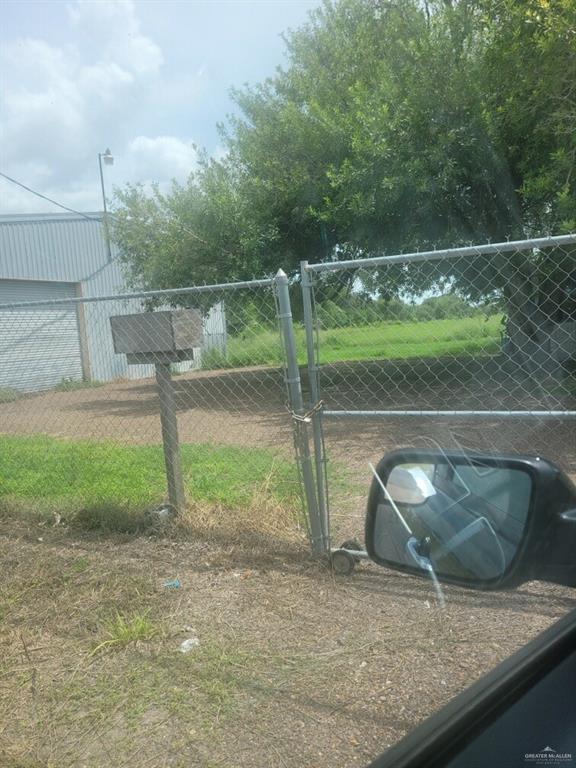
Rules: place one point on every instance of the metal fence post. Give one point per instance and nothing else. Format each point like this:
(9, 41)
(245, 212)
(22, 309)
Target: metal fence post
(297, 405)
(321, 480)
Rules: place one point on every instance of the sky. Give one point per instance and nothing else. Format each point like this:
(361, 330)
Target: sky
(149, 80)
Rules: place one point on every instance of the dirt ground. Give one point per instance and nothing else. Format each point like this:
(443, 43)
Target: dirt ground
(244, 407)
(249, 407)
(294, 668)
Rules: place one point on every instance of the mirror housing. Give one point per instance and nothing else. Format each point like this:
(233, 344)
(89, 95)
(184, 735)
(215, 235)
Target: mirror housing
(414, 480)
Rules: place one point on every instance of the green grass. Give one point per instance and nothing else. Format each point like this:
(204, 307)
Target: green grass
(380, 341)
(9, 395)
(122, 630)
(199, 687)
(217, 667)
(103, 484)
(70, 385)
(399, 341)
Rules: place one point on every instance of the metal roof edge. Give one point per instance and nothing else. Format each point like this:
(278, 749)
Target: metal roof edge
(24, 218)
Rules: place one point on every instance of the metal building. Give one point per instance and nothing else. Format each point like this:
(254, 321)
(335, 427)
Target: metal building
(53, 256)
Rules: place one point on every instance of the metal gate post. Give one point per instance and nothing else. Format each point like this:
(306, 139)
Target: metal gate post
(297, 405)
(319, 458)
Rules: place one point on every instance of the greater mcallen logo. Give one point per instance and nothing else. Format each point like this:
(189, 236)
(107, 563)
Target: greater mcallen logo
(548, 756)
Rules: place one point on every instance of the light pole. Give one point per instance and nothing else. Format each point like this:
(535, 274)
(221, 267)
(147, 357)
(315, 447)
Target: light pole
(108, 160)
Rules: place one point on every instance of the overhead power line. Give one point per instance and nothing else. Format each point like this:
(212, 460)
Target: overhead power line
(99, 218)
(49, 199)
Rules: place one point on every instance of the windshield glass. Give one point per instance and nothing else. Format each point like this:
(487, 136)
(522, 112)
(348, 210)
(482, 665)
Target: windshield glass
(248, 248)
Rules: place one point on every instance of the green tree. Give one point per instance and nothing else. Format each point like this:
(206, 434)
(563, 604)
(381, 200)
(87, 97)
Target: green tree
(201, 232)
(395, 125)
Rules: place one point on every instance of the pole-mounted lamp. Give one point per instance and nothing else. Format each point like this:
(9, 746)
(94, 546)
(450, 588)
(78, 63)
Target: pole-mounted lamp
(108, 160)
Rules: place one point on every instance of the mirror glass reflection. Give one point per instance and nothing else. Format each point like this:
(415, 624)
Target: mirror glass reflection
(460, 520)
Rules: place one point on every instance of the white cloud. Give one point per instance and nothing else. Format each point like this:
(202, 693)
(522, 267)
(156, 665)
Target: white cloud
(112, 29)
(64, 104)
(162, 157)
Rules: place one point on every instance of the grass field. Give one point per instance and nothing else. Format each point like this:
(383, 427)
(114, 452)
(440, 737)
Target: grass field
(381, 341)
(103, 484)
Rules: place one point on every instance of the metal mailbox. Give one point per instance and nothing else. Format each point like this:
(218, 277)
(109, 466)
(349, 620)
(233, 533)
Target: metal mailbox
(162, 338)
(157, 337)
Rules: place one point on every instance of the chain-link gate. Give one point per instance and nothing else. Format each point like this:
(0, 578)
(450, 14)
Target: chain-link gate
(100, 396)
(471, 347)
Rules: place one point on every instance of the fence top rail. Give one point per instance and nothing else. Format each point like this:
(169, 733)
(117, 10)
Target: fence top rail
(264, 283)
(449, 253)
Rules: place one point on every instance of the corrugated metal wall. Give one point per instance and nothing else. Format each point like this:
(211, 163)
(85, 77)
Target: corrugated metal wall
(69, 248)
(72, 249)
(38, 347)
(63, 248)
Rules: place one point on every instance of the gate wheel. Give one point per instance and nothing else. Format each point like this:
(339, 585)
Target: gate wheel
(342, 562)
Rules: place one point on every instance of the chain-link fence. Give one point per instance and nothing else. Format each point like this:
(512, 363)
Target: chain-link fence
(103, 400)
(96, 394)
(472, 348)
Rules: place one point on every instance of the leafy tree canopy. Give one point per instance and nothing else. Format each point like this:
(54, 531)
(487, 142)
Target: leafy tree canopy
(396, 125)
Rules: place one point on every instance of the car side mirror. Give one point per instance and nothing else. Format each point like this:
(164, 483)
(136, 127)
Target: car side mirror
(487, 521)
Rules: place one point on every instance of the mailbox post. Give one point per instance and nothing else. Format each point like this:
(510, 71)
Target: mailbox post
(162, 338)
(170, 436)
